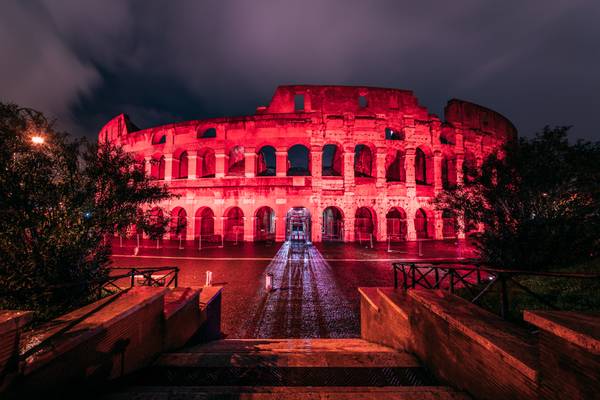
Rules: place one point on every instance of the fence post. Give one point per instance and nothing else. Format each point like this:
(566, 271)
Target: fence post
(451, 272)
(132, 277)
(395, 268)
(437, 279)
(412, 273)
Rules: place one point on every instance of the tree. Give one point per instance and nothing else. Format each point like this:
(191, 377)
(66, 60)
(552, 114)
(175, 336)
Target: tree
(539, 200)
(60, 199)
(154, 223)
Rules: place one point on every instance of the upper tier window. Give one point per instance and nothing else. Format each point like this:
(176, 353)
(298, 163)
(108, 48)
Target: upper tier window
(393, 134)
(208, 133)
(298, 102)
(362, 101)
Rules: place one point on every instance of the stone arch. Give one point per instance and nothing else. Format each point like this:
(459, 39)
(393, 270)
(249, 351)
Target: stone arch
(157, 168)
(237, 161)
(333, 224)
(264, 224)
(395, 170)
(449, 224)
(394, 134)
(423, 224)
(204, 223)
(266, 161)
(448, 170)
(298, 157)
(206, 133)
(233, 224)
(205, 163)
(423, 166)
(396, 224)
(469, 166)
(159, 137)
(332, 160)
(364, 224)
(364, 161)
(178, 223)
(180, 165)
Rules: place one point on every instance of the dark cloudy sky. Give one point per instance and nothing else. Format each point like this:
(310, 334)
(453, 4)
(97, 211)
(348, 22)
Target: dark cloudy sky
(537, 62)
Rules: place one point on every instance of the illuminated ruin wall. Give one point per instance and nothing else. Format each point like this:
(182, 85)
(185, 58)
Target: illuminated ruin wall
(363, 161)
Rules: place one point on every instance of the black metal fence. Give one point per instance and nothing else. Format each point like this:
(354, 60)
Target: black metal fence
(474, 279)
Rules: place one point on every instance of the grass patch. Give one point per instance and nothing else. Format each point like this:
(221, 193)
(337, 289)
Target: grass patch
(569, 294)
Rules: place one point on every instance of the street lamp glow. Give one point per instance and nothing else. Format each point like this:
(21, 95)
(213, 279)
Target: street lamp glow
(37, 140)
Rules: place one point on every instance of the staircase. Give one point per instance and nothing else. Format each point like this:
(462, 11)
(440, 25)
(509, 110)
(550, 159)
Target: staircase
(285, 369)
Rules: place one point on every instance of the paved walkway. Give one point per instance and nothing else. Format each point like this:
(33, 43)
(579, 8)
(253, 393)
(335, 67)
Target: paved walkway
(314, 286)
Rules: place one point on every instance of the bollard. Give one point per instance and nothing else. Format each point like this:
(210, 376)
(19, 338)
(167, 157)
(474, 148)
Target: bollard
(269, 282)
(208, 278)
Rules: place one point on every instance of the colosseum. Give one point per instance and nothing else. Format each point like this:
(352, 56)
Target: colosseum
(318, 163)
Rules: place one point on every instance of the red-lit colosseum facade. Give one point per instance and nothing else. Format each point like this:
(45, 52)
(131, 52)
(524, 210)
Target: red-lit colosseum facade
(321, 163)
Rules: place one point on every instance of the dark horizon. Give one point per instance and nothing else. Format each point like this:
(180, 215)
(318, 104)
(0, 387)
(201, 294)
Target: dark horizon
(84, 62)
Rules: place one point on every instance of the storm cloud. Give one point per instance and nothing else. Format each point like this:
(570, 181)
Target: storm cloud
(537, 62)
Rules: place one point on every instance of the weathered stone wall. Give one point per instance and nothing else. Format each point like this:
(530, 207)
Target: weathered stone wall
(428, 154)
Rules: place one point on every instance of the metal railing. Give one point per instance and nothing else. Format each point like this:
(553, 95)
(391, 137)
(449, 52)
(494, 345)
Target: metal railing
(135, 276)
(475, 278)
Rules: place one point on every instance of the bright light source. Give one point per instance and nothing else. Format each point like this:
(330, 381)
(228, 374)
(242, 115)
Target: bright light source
(37, 140)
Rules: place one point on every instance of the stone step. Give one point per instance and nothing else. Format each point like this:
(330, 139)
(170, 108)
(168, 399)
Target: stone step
(288, 393)
(289, 353)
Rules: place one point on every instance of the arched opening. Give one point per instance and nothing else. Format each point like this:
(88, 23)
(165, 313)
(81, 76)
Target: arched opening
(395, 171)
(264, 224)
(363, 161)
(448, 172)
(298, 226)
(393, 134)
(421, 168)
(207, 133)
(204, 224)
(266, 161)
(396, 224)
(333, 225)
(364, 226)
(298, 161)
(469, 167)
(205, 163)
(332, 160)
(449, 224)
(159, 138)
(233, 225)
(237, 161)
(157, 170)
(180, 166)
(421, 224)
(178, 223)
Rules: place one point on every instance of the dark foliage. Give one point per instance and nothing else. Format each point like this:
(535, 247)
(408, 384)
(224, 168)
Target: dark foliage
(539, 200)
(59, 202)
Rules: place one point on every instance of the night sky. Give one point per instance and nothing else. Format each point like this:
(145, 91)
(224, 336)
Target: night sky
(83, 62)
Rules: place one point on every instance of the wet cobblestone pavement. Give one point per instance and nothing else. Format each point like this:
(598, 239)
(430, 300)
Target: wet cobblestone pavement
(314, 286)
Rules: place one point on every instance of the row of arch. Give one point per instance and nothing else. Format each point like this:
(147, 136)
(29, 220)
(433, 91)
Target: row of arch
(233, 224)
(298, 164)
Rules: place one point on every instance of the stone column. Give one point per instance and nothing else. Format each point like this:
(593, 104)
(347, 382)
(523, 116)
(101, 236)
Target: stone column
(192, 164)
(349, 228)
(459, 169)
(461, 228)
(409, 166)
(437, 171)
(250, 162)
(148, 165)
(381, 226)
(317, 221)
(249, 224)
(220, 163)
(280, 229)
(381, 154)
(168, 167)
(316, 162)
(349, 168)
(438, 225)
(281, 162)
(411, 232)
